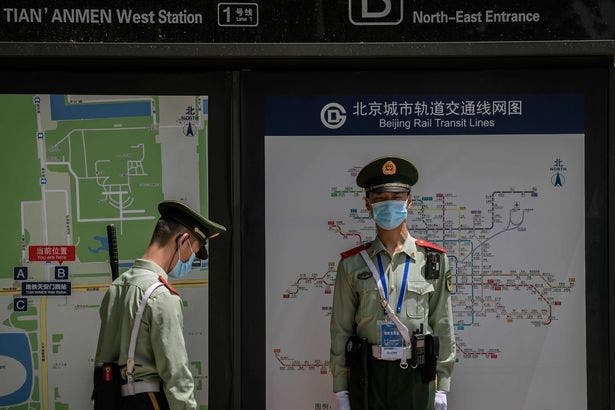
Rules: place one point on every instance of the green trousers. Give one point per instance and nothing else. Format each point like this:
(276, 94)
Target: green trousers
(391, 388)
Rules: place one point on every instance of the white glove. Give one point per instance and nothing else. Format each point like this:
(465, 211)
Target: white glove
(343, 400)
(440, 403)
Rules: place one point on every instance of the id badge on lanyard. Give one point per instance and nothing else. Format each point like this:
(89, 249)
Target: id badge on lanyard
(391, 342)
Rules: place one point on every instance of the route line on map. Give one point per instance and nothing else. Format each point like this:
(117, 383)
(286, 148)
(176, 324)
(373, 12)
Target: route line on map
(507, 286)
(294, 364)
(44, 361)
(488, 355)
(333, 226)
(314, 279)
(96, 129)
(470, 228)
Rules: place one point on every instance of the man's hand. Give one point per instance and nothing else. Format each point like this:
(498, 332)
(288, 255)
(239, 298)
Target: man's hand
(343, 401)
(440, 400)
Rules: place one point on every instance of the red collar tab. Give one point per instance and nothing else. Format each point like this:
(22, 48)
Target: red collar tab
(168, 285)
(429, 245)
(356, 250)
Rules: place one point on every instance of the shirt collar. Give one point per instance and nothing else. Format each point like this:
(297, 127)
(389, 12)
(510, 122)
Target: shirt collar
(151, 266)
(409, 247)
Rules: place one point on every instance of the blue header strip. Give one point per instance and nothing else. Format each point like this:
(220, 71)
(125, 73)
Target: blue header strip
(424, 115)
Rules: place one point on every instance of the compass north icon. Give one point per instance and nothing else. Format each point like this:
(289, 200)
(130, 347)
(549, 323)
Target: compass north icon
(558, 179)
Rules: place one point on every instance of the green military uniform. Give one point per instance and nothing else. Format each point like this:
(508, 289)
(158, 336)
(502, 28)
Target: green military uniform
(356, 302)
(160, 353)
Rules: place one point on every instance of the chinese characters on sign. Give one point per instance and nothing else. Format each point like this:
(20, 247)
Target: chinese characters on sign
(238, 14)
(437, 108)
(51, 253)
(45, 288)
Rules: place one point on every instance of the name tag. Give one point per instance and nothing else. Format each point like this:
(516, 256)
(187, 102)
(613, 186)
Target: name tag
(392, 353)
(390, 336)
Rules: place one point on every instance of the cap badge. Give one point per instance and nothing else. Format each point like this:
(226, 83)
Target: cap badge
(389, 168)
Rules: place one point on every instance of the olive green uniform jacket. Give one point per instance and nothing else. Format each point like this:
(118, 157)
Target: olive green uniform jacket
(160, 353)
(356, 300)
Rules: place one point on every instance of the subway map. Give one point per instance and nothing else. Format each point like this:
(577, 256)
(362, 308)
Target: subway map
(512, 221)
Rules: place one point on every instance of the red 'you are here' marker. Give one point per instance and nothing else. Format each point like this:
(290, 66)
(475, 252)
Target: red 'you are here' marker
(51, 253)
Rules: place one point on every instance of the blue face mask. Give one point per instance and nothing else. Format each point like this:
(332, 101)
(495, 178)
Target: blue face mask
(182, 268)
(390, 214)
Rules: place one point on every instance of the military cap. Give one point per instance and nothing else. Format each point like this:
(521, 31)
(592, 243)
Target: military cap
(388, 174)
(188, 217)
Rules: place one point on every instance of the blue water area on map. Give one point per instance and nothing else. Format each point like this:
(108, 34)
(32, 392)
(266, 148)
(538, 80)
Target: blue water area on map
(104, 244)
(205, 104)
(17, 346)
(61, 111)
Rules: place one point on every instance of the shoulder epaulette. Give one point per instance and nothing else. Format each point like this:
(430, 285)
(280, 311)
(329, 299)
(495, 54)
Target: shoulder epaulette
(168, 285)
(427, 244)
(356, 250)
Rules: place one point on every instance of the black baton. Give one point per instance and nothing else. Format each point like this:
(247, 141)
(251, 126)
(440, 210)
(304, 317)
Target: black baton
(365, 353)
(113, 258)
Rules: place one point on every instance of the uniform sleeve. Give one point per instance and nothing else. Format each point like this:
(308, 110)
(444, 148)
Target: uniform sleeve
(342, 321)
(108, 346)
(441, 321)
(167, 341)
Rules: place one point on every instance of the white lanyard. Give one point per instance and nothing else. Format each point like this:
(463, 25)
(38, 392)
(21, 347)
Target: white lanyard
(130, 362)
(403, 330)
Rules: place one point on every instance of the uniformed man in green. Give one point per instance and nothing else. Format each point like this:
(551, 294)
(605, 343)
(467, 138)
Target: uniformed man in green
(406, 369)
(160, 377)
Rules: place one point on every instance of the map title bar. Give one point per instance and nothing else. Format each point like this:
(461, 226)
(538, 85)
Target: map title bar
(441, 114)
(277, 21)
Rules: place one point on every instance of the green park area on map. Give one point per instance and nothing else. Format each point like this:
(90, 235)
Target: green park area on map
(113, 165)
(104, 154)
(20, 170)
